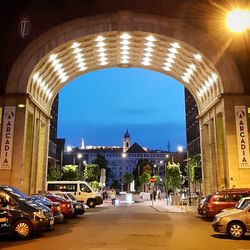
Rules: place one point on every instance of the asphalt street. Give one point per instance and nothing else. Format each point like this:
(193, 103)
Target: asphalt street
(137, 226)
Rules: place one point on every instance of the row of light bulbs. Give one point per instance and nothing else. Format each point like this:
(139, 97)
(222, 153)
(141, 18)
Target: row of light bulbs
(125, 41)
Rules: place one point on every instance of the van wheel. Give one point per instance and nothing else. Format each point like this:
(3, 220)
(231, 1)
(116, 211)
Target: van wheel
(236, 230)
(22, 229)
(91, 203)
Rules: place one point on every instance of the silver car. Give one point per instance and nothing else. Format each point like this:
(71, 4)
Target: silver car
(234, 222)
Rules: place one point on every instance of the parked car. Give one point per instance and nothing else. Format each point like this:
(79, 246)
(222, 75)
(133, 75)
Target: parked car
(54, 206)
(201, 208)
(215, 203)
(5, 221)
(80, 189)
(27, 216)
(66, 206)
(234, 222)
(78, 206)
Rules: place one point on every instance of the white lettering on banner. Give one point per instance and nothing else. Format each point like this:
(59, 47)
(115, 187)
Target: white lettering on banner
(7, 137)
(242, 136)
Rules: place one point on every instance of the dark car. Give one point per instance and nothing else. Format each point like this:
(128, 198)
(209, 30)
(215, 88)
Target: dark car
(67, 208)
(54, 206)
(5, 221)
(27, 216)
(78, 206)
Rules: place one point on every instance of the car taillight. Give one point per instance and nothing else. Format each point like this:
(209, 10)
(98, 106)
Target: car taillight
(69, 205)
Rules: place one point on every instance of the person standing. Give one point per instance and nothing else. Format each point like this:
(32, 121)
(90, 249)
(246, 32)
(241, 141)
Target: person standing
(112, 196)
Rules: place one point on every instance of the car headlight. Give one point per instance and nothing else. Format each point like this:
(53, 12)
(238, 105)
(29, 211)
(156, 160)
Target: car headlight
(217, 219)
(40, 214)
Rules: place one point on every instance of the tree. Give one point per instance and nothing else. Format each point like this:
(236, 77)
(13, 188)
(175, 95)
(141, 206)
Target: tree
(173, 175)
(70, 173)
(142, 166)
(128, 178)
(92, 172)
(103, 163)
(54, 173)
(115, 184)
(144, 179)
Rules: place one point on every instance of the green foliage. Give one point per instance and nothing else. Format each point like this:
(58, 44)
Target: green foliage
(194, 164)
(102, 162)
(94, 185)
(197, 176)
(157, 179)
(70, 173)
(173, 175)
(128, 178)
(54, 173)
(92, 172)
(144, 178)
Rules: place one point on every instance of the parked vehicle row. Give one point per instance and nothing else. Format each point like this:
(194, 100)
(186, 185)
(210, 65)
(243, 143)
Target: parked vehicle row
(82, 191)
(22, 215)
(25, 215)
(230, 210)
(215, 203)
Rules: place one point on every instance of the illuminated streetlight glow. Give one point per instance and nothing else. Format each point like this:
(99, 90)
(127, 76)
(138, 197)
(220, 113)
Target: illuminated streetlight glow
(180, 149)
(238, 20)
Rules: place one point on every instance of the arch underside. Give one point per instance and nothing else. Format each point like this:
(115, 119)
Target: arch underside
(124, 49)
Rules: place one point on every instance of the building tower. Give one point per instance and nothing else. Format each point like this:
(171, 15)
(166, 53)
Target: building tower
(126, 141)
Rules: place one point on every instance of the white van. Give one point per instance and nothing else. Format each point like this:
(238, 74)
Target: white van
(80, 189)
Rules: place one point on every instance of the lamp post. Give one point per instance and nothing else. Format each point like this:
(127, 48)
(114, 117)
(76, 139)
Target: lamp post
(79, 156)
(123, 157)
(166, 177)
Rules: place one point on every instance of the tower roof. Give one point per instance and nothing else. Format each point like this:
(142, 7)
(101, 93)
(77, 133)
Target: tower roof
(136, 148)
(126, 135)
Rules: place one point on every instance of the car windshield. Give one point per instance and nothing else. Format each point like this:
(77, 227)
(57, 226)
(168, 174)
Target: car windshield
(17, 193)
(71, 196)
(242, 204)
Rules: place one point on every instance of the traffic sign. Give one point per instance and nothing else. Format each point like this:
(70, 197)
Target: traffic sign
(152, 180)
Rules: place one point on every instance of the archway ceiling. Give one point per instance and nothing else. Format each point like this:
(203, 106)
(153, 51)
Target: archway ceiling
(124, 49)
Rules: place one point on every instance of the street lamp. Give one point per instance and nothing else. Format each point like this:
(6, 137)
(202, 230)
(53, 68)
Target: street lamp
(123, 157)
(166, 177)
(238, 20)
(79, 157)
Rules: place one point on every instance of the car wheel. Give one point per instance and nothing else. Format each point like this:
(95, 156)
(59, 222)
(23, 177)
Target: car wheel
(236, 230)
(22, 229)
(91, 203)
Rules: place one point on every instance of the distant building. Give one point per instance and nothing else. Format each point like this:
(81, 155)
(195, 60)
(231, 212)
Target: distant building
(56, 146)
(192, 125)
(122, 160)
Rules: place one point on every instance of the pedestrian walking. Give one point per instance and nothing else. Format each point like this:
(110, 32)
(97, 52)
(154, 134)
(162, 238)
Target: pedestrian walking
(112, 195)
(158, 194)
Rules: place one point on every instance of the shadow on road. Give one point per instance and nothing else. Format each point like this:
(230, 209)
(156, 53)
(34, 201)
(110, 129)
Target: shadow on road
(226, 237)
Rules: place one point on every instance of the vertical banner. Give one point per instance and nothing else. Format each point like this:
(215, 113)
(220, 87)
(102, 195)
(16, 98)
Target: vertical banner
(242, 136)
(7, 137)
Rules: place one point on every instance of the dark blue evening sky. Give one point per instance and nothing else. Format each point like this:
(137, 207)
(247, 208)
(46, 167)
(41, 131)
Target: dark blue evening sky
(101, 105)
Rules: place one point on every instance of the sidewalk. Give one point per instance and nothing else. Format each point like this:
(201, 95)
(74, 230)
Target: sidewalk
(162, 206)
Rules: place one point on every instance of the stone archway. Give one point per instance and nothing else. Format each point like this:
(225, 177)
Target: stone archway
(212, 79)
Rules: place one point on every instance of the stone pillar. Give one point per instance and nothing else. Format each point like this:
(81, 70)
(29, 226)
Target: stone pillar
(30, 145)
(236, 175)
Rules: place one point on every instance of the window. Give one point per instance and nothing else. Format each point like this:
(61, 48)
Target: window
(85, 188)
(64, 187)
